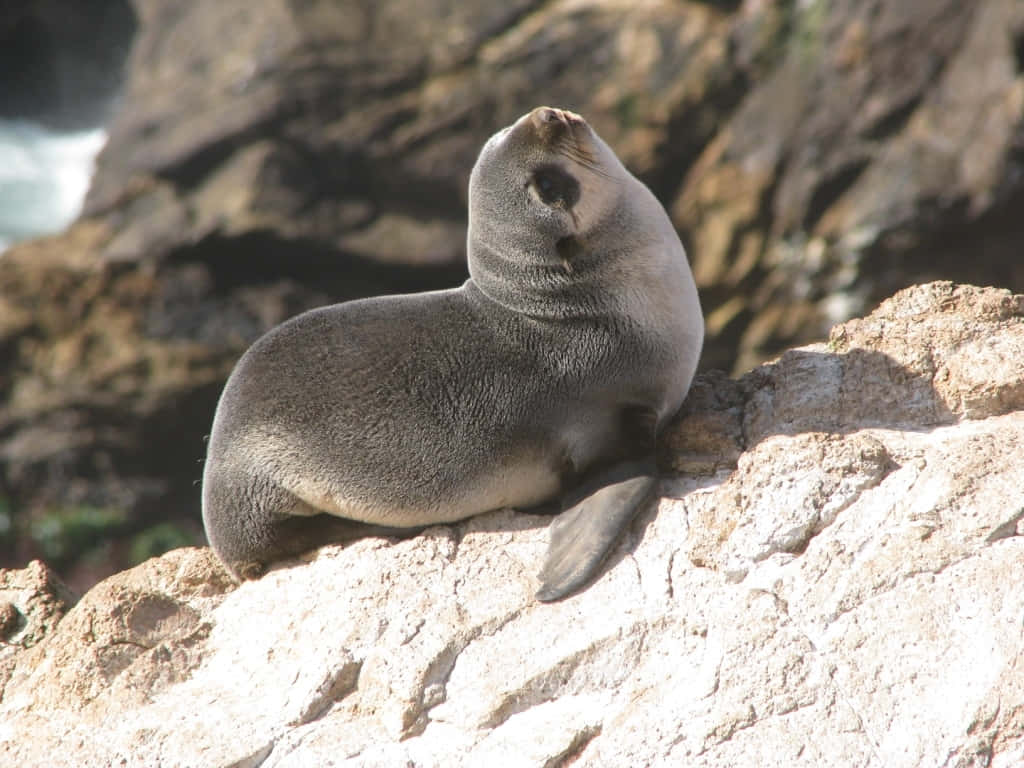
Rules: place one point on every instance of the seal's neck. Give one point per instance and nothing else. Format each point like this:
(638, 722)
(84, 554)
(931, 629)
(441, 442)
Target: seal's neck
(563, 283)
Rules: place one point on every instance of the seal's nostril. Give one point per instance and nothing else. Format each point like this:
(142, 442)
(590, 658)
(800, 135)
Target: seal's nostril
(546, 119)
(551, 123)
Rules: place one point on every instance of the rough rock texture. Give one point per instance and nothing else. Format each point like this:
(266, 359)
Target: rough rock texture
(272, 155)
(885, 142)
(845, 593)
(33, 600)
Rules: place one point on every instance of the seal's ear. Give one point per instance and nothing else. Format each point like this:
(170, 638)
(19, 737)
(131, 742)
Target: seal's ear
(569, 248)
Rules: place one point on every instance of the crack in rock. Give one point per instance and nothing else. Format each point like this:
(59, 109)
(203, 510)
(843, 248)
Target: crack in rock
(576, 747)
(1007, 529)
(337, 684)
(254, 760)
(557, 680)
(433, 690)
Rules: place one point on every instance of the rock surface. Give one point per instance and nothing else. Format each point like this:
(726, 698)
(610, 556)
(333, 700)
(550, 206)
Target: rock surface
(267, 156)
(841, 587)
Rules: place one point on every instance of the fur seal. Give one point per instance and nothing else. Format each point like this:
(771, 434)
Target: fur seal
(544, 378)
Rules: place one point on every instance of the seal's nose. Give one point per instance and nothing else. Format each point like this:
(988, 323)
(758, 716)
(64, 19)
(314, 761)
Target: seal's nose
(551, 125)
(544, 117)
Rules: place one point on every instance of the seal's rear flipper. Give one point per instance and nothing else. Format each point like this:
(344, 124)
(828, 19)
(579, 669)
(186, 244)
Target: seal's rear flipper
(583, 535)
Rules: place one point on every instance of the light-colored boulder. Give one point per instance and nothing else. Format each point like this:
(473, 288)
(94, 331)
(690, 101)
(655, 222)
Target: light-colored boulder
(848, 593)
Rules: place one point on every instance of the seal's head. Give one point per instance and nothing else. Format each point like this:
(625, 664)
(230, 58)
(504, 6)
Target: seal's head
(548, 171)
(543, 197)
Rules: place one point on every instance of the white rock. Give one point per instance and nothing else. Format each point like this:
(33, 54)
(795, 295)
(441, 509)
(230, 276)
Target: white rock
(849, 594)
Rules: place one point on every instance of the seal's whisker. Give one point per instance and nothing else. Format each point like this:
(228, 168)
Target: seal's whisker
(578, 155)
(569, 144)
(591, 166)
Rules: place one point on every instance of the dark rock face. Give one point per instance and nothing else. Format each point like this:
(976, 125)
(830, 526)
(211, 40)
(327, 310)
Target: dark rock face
(885, 147)
(63, 60)
(269, 157)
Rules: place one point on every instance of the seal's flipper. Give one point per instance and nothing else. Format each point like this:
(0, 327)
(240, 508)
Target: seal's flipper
(583, 535)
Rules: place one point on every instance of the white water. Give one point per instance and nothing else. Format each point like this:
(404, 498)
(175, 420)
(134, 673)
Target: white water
(44, 176)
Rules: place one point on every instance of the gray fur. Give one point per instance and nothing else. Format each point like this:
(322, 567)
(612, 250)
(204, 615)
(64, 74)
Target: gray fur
(573, 341)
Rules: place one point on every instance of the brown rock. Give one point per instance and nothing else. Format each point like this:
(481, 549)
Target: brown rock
(129, 637)
(33, 600)
(880, 151)
(266, 158)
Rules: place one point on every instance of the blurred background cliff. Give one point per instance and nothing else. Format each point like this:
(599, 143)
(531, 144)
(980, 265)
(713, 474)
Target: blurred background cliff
(267, 156)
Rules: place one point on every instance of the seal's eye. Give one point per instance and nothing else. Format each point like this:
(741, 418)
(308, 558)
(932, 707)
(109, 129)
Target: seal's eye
(554, 186)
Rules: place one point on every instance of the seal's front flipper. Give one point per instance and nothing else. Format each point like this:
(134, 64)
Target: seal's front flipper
(583, 535)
